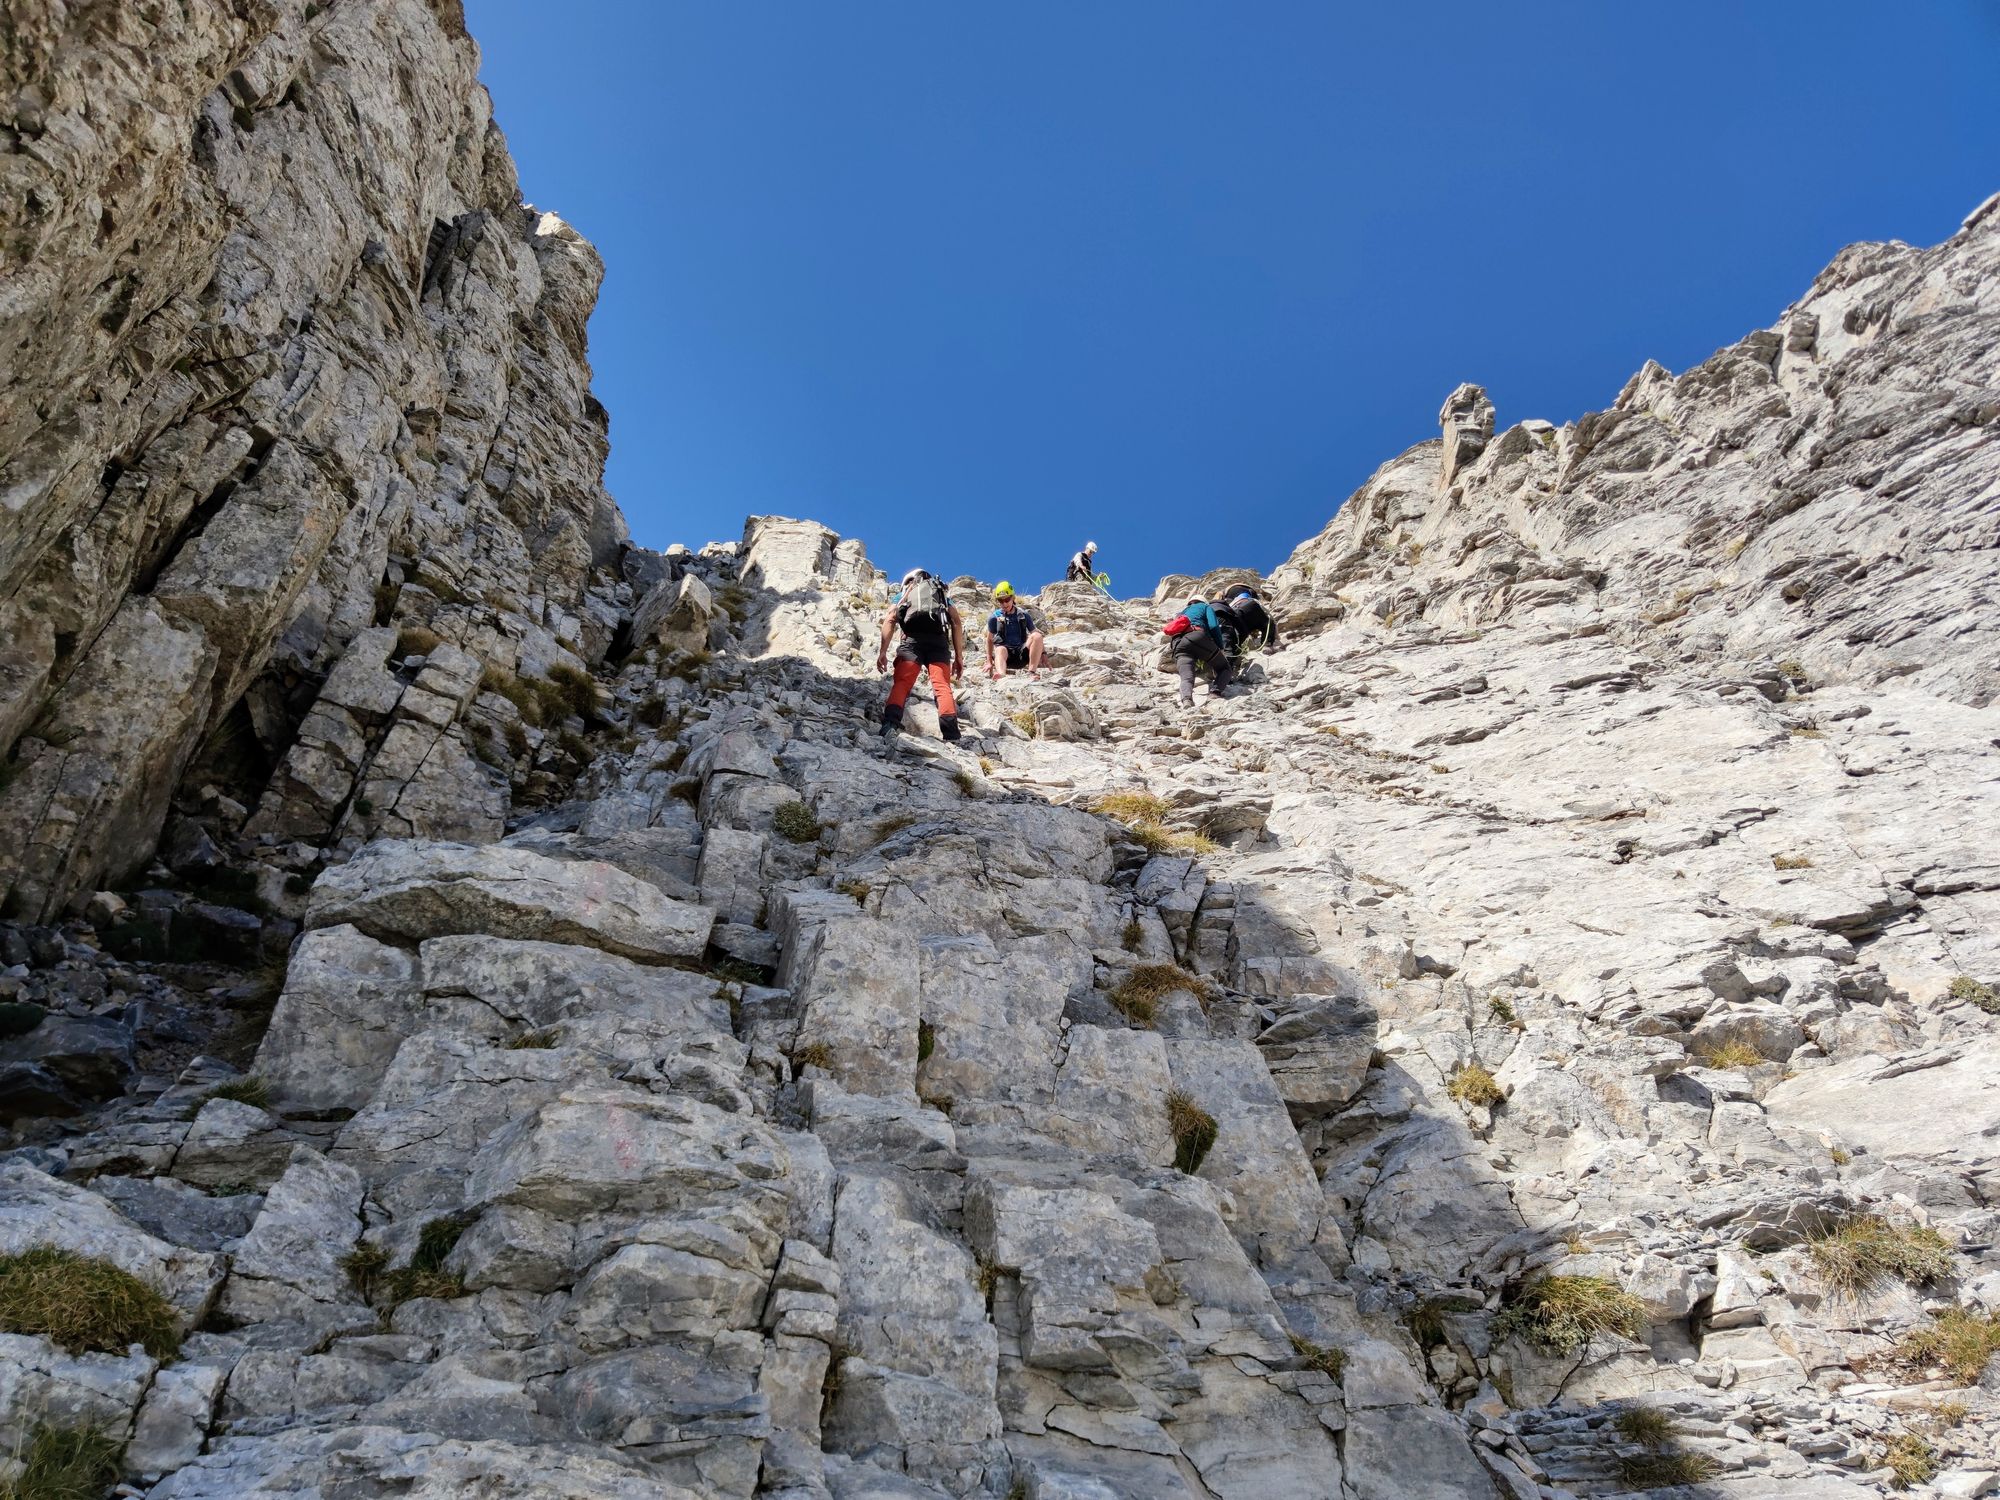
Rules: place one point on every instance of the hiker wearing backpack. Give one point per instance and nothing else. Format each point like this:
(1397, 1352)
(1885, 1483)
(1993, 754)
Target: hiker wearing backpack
(1255, 628)
(1013, 639)
(1083, 566)
(933, 641)
(1195, 640)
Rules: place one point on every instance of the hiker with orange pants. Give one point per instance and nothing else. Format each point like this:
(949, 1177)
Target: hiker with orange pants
(933, 640)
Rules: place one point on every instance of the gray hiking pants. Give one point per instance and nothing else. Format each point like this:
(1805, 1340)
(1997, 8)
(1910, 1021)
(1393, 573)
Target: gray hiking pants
(1194, 649)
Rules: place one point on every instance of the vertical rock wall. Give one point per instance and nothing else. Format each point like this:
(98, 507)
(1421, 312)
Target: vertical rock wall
(283, 357)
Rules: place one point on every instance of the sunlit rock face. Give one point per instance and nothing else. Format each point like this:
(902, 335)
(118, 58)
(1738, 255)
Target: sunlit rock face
(552, 1045)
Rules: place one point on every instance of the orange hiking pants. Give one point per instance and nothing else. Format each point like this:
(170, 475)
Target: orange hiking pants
(907, 667)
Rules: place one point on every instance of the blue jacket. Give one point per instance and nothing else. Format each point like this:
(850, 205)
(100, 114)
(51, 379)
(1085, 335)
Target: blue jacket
(1202, 615)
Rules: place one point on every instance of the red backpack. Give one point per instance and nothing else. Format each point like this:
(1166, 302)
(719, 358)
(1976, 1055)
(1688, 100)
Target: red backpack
(1178, 625)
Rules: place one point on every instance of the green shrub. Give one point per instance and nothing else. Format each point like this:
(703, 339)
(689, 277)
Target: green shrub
(1965, 987)
(1732, 1054)
(1561, 1314)
(84, 1304)
(1644, 1424)
(249, 1089)
(796, 822)
(1859, 1254)
(65, 1463)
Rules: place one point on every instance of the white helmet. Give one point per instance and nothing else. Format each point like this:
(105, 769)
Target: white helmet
(1090, 546)
(911, 576)
(1197, 599)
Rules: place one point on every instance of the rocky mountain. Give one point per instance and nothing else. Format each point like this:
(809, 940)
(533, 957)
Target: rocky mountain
(486, 1013)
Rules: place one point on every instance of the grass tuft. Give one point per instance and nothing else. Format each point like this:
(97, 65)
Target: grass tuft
(1732, 1054)
(526, 702)
(536, 1041)
(1911, 1459)
(1133, 938)
(1659, 1471)
(1132, 807)
(1501, 1011)
(1472, 1083)
(812, 1055)
(1790, 862)
(1159, 839)
(249, 1089)
(1140, 992)
(854, 889)
(796, 822)
(84, 1304)
(1193, 1130)
(1647, 1425)
(1959, 1341)
(364, 1265)
(1024, 720)
(1854, 1257)
(1563, 1313)
(568, 691)
(926, 1041)
(1328, 1359)
(65, 1463)
(416, 640)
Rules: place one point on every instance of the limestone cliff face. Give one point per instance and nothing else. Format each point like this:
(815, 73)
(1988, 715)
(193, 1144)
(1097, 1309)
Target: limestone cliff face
(283, 357)
(1536, 1041)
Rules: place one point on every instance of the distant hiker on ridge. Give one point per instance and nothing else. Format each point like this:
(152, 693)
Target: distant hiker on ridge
(933, 639)
(1013, 639)
(1083, 567)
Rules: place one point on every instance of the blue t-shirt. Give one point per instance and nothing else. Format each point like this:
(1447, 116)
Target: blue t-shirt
(1012, 630)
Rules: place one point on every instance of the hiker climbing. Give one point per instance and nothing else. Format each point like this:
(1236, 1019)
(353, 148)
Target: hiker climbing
(1195, 641)
(1254, 628)
(1083, 566)
(933, 640)
(1013, 639)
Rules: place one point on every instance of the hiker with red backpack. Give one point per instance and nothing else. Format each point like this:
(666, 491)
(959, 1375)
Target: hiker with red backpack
(1195, 639)
(933, 641)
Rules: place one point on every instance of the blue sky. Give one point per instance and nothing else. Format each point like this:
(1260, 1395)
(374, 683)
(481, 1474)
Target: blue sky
(974, 282)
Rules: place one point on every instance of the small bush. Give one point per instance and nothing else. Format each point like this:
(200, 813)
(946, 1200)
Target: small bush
(926, 1041)
(1959, 1341)
(1563, 1313)
(1024, 720)
(517, 740)
(1425, 1322)
(1965, 987)
(409, 1284)
(1790, 862)
(416, 640)
(1731, 1054)
(1860, 1254)
(1140, 992)
(65, 1463)
(1471, 1083)
(1501, 1010)
(1840, 1155)
(1911, 1459)
(522, 1041)
(1133, 938)
(1325, 1358)
(812, 1055)
(437, 1239)
(1659, 1471)
(1193, 1130)
(652, 713)
(1647, 1425)
(84, 1304)
(1949, 1414)
(796, 822)
(855, 889)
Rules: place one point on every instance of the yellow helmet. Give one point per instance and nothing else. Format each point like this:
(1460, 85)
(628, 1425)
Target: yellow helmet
(1003, 590)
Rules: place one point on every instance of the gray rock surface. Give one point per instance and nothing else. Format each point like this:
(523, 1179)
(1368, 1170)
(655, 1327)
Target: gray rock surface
(675, 1090)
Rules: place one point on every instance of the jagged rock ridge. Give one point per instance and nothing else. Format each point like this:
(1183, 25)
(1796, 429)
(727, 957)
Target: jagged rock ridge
(704, 1099)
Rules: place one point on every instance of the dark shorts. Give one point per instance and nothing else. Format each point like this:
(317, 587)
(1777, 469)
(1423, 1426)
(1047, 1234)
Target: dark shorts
(1017, 656)
(925, 650)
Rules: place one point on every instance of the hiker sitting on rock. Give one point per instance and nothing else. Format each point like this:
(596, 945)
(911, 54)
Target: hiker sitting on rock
(1083, 566)
(1255, 629)
(933, 639)
(1198, 643)
(1013, 639)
